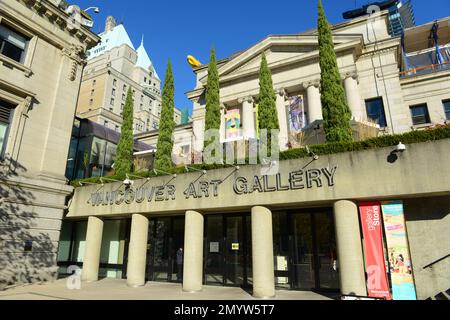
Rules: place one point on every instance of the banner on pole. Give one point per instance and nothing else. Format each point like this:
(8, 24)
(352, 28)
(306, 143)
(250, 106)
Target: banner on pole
(377, 281)
(398, 251)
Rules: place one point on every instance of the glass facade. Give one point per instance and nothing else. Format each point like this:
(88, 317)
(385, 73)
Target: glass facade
(113, 250)
(304, 246)
(93, 150)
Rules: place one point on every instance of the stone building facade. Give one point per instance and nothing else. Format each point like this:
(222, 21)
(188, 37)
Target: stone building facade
(114, 66)
(381, 91)
(41, 62)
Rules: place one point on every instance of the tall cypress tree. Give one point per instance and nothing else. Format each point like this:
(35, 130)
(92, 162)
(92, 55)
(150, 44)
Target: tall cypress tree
(124, 154)
(267, 110)
(212, 117)
(164, 148)
(336, 113)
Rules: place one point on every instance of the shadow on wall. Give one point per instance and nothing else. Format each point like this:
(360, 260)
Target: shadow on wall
(26, 255)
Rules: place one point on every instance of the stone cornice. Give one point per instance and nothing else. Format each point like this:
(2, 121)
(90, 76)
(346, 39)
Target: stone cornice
(59, 18)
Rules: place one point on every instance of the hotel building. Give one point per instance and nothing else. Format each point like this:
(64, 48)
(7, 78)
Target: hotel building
(113, 67)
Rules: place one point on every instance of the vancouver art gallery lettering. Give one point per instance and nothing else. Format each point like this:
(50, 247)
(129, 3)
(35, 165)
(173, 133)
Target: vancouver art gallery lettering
(295, 180)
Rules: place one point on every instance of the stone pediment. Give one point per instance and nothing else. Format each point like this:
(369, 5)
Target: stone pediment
(280, 51)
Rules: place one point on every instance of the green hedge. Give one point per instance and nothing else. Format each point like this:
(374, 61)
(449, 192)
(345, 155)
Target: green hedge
(323, 149)
(373, 143)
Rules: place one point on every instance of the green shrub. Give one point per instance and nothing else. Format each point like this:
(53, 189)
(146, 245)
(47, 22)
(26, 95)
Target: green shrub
(323, 149)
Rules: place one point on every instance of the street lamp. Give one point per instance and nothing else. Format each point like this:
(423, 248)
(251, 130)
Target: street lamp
(96, 9)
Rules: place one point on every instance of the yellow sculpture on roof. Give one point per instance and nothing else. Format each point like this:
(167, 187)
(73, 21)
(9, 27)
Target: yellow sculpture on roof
(193, 62)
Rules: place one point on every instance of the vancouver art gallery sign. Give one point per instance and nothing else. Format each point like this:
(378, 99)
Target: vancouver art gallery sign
(203, 188)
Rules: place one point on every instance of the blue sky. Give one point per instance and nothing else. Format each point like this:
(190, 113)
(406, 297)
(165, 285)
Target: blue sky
(174, 29)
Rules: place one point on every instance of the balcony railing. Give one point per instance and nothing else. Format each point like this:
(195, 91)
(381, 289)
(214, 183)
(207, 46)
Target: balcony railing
(425, 69)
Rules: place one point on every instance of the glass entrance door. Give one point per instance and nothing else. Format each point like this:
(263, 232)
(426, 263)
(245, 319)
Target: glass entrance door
(228, 250)
(305, 250)
(302, 252)
(313, 251)
(164, 257)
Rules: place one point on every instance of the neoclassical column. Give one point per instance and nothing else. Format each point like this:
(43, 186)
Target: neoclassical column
(313, 99)
(193, 252)
(282, 119)
(137, 254)
(248, 120)
(91, 261)
(349, 249)
(222, 122)
(262, 253)
(353, 96)
(198, 124)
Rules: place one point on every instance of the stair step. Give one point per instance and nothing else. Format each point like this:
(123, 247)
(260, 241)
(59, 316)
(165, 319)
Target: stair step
(441, 296)
(447, 294)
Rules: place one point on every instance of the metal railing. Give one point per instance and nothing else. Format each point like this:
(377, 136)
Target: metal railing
(425, 69)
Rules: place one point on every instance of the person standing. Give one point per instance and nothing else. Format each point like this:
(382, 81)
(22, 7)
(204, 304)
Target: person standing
(180, 264)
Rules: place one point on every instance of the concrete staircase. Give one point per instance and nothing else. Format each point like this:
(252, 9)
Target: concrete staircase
(444, 295)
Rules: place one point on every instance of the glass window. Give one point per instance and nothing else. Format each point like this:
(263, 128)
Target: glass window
(97, 157)
(12, 44)
(114, 82)
(375, 111)
(5, 120)
(112, 101)
(112, 254)
(447, 109)
(124, 87)
(70, 168)
(113, 92)
(110, 156)
(419, 114)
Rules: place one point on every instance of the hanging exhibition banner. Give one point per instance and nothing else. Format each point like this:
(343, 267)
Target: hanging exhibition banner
(233, 123)
(398, 251)
(297, 119)
(377, 281)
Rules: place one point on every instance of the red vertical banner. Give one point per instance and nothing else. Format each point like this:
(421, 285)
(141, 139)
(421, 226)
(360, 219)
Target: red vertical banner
(371, 222)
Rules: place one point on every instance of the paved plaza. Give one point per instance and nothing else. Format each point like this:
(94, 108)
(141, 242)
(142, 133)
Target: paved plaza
(114, 289)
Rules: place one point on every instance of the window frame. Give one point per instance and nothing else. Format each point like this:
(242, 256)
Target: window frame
(426, 115)
(444, 103)
(380, 98)
(13, 108)
(28, 54)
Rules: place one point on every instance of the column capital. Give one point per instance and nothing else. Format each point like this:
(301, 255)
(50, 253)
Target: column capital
(351, 74)
(282, 92)
(311, 83)
(248, 99)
